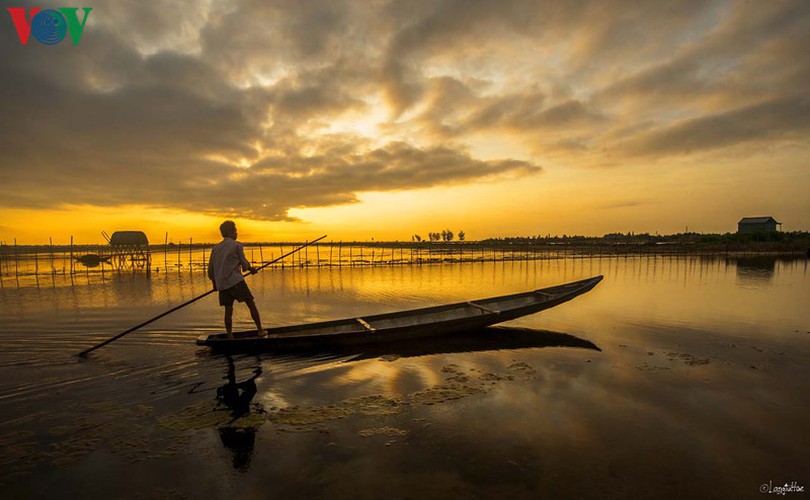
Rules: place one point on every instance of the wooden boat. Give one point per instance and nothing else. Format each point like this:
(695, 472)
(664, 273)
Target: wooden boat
(93, 260)
(398, 326)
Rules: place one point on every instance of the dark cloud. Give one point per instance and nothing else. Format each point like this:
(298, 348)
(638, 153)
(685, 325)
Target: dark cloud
(779, 119)
(321, 92)
(426, 29)
(527, 113)
(333, 177)
(747, 56)
(455, 108)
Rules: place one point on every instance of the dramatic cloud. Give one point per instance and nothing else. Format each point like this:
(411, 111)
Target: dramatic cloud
(252, 108)
(779, 119)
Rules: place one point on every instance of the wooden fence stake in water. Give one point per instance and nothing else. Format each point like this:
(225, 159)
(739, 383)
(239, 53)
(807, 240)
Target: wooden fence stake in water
(16, 264)
(72, 269)
(53, 267)
(165, 250)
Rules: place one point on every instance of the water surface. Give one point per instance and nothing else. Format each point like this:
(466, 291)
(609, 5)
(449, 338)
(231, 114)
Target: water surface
(676, 376)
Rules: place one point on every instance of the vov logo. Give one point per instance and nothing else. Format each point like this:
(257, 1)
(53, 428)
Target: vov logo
(49, 26)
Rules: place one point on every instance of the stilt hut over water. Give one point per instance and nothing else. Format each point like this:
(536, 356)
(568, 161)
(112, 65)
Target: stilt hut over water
(749, 225)
(130, 249)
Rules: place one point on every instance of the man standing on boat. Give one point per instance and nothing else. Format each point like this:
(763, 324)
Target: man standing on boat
(225, 271)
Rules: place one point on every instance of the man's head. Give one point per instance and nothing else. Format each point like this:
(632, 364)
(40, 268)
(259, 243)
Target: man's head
(228, 229)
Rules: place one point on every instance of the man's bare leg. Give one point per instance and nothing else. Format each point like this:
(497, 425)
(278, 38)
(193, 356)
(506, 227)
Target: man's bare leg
(254, 313)
(229, 320)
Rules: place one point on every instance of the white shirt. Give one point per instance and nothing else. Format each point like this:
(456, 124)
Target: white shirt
(226, 263)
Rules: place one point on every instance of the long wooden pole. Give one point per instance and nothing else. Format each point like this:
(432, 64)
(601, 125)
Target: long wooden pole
(184, 304)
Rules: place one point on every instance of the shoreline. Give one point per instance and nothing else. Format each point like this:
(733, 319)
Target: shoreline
(798, 247)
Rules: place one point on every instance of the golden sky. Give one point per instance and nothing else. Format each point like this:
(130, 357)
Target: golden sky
(383, 119)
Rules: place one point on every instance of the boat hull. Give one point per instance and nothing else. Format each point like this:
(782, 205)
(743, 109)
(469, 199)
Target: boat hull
(399, 326)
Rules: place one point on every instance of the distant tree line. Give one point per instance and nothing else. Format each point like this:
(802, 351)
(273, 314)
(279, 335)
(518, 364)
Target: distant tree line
(686, 237)
(629, 237)
(445, 235)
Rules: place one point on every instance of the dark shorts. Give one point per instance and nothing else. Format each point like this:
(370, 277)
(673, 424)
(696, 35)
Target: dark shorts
(239, 292)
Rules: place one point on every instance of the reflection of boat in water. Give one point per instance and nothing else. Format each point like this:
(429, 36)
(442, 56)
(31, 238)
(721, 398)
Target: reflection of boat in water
(490, 338)
(405, 325)
(93, 260)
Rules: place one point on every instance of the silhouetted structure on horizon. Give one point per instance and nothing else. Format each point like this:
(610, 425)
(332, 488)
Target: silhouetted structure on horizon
(750, 225)
(131, 249)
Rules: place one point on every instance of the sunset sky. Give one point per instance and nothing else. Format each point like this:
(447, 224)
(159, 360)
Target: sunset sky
(383, 119)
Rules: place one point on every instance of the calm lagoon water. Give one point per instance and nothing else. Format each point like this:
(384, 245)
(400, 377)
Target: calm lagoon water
(675, 377)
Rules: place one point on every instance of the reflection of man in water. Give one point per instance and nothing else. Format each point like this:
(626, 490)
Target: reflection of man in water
(237, 397)
(225, 271)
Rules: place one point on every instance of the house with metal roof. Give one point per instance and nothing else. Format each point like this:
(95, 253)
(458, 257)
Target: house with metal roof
(749, 225)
